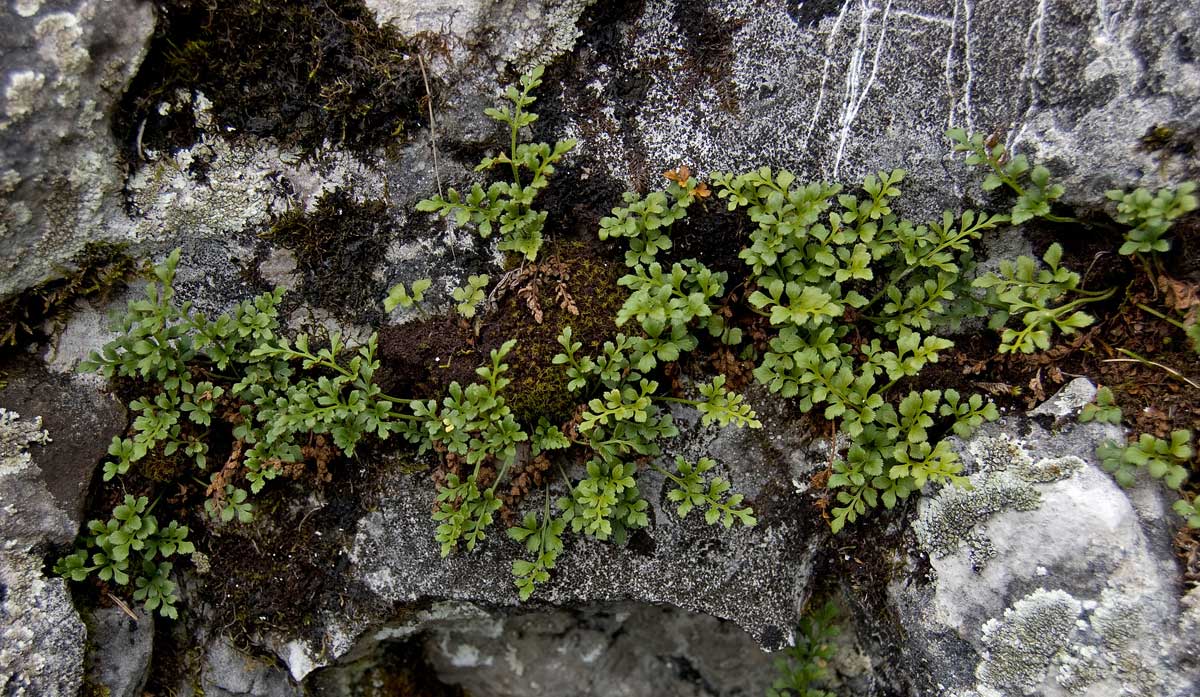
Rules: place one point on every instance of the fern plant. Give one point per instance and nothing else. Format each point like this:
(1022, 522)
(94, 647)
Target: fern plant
(1043, 299)
(803, 666)
(126, 548)
(819, 257)
(1032, 185)
(506, 207)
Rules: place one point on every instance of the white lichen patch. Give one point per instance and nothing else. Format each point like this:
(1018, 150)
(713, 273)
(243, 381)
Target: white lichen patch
(535, 31)
(21, 93)
(15, 437)
(216, 188)
(1050, 469)
(60, 42)
(27, 8)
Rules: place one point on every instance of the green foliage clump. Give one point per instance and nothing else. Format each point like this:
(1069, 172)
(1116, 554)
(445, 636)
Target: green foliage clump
(1162, 459)
(1189, 510)
(470, 295)
(802, 667)
(507, 206)
(1151, 215)
(399, 296)
(1038, 297)
(1103, 409)
(814, 257)
(129, 543)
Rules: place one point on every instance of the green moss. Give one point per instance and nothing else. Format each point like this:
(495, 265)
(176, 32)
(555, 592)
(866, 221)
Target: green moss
(96, 272)
(539, 388)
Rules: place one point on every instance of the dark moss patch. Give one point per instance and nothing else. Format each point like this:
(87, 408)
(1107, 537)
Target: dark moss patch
(395, 669)
(337, 245)
(281, 570)
(303, 72)
(94, 273)
(425, 357)
(708, 39)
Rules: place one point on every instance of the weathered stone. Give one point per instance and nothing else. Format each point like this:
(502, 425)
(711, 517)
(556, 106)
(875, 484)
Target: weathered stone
(229, 672)
(119, 651)
(83, 420)
(755, 577)
(41, 635)
(841, 89)
(63, 67)
(623, 650)
(1046, 577)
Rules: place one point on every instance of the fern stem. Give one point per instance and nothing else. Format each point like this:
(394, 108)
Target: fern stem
(1156, 313)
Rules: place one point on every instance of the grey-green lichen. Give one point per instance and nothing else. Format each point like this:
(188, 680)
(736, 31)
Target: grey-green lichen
(1085, 647)
(1003, 481)
(1020, 648)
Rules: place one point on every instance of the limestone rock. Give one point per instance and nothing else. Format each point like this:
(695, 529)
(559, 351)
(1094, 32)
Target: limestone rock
(83, 421)
(624, 650)
(1046, 577)
(840, 89)
(62, 72)
(229, 672)
(119, 652)
(41, 635)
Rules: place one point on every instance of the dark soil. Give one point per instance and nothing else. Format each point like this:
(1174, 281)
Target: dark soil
(302, 72)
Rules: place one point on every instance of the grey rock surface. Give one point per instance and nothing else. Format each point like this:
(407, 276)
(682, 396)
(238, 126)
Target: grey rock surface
(119, 651)
(757, 578)
(840, 89)
(1046, 577)
(41, 636)
(83, 420)
(63, 68)
(623, 650)
(229, 672)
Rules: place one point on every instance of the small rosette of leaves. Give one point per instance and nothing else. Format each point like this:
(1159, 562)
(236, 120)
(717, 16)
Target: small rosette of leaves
(464, 512)
(469, 296)
(1103, 409)
(1163, 459)
(1151, 215)
(606, 503)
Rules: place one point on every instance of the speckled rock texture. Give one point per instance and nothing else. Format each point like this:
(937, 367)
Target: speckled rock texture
(614, 651)
(758, 578)
(63, 68)
(120, 651)
(1046, 577)
(41, 636)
